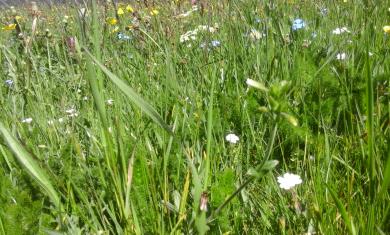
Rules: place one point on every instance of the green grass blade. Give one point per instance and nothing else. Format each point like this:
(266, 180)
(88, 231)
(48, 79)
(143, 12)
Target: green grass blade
(129, 92)
(370, 126)
(1, 227)
(386, 177)
(30, 165)
(209, 137)
(348, 221)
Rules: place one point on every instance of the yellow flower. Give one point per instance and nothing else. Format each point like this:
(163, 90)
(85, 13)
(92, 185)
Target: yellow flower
(116, 29)
(18, 17)
(129, 9)
(120, 11)
(112, 21)
(154, 12)
(9, 27)
(129, 27)
(386, 28)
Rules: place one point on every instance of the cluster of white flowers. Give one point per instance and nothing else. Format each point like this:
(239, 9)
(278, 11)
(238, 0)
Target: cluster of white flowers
(341, 30)
(232, 138)
(191, 35)
(288, 181)
(188, 36)
(207, 28)
(72, 112)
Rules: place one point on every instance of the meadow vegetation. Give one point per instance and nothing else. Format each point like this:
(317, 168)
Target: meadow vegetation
(195, 117)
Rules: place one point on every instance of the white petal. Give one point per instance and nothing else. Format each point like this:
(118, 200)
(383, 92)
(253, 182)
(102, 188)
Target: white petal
(232, 138)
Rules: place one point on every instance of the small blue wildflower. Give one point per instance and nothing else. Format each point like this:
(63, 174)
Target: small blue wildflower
(298, 24)
(324, 11)
(9, 82)
(123, 37)
(215, 43)
(257, 20)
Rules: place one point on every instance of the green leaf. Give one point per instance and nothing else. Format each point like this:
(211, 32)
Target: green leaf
(30, 165)
(348, 221)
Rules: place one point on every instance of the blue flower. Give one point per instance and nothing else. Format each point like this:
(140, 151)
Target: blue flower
(123, 37)
(257, 20)
(209, 46)
(324, 11)
(298, 24)
(9, 82)
(215, 43)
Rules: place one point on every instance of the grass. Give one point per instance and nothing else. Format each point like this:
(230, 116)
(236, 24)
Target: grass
(128, 130)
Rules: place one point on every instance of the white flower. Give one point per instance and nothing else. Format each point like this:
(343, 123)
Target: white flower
(288, 180)
(72, 112)
(255, 35)
(191, 35)
(61, 120)
(210, 29)
(341, 56)
(232, 138)
(27, 120)
(340, 30)
(188, 36)
(110, 101)
(188, 13)
(184, 15)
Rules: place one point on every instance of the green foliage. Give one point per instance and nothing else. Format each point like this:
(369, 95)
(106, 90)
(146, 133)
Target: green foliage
(223, 187)
(96, 91)
(22, 211)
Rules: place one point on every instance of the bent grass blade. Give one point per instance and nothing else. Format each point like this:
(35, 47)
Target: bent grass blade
(129, 92)
(32, 167)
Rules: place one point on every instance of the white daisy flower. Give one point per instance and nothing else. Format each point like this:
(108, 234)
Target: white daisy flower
(232, 138)
(288, 181)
